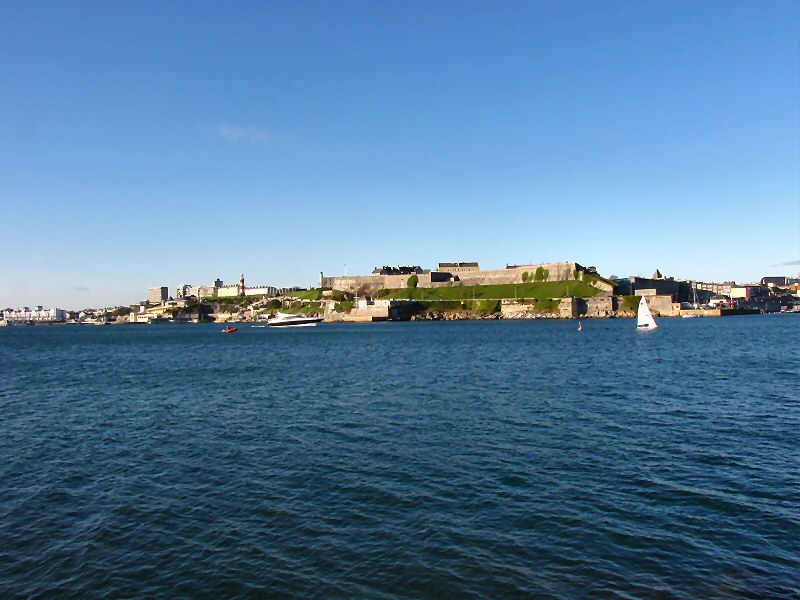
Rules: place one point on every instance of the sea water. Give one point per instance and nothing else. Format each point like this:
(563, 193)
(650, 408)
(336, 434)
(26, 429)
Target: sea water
(402, 460)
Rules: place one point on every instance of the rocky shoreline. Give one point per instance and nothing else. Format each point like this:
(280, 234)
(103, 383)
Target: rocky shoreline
(449, 315)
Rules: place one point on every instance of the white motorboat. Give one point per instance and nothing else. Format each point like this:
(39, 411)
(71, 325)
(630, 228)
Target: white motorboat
(288, 320)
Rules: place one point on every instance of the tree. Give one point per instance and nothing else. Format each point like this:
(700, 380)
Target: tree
(413, 281)
(541, 274)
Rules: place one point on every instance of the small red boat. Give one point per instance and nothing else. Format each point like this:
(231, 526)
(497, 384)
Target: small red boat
(229, 330)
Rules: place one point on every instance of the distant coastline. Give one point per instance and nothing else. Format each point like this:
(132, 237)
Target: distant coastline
(452, 291)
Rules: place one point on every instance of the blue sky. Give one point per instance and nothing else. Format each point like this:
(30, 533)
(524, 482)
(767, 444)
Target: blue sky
(158, 143)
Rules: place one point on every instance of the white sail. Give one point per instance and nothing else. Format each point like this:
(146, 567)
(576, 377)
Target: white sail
(645, 317)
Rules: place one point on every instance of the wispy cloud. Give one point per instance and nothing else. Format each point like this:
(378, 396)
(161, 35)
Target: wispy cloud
(80, 288)
(788, 263)
(236, 134)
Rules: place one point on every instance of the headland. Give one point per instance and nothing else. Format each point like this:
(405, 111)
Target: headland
(452, 291)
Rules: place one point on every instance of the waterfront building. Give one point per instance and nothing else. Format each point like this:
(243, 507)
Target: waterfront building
(35, 315)
(722, 289)
(748, 291)
(719, 301)
(657, 285)
(157, 295)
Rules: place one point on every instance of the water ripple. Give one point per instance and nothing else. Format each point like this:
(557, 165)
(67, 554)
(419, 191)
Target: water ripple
(476, 460)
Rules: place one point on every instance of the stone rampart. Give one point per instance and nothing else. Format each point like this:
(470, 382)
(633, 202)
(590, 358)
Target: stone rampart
(517, 309)
(227, 291)
(389, 282)
(372, 312)
(364, 311)
(564, 271)
(351, 284)
(568, 307)
(663, 306)
(598, 306)
(398, 282)
(554, 272)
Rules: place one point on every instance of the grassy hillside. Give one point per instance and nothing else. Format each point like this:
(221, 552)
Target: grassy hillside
(313, 294)
(298, 308)
(532, 291)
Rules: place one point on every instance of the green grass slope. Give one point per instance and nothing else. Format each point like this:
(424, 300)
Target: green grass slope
(522, 291)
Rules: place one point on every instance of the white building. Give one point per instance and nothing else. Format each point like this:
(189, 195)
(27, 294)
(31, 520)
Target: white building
(37, 315)
(230, 291)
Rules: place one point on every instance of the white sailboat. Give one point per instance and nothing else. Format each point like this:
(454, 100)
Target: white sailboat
(645, 318)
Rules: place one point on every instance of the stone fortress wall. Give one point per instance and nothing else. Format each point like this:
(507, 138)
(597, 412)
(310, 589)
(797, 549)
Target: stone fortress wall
(563, 271)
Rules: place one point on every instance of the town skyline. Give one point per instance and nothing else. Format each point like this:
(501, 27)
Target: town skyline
(173, 288)
(145, 145)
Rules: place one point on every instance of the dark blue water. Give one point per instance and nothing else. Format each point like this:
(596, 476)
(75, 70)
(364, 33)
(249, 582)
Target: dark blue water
(463, 460)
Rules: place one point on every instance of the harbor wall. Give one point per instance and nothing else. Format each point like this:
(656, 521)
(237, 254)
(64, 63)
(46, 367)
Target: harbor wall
(663, 306)
(598, 306)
